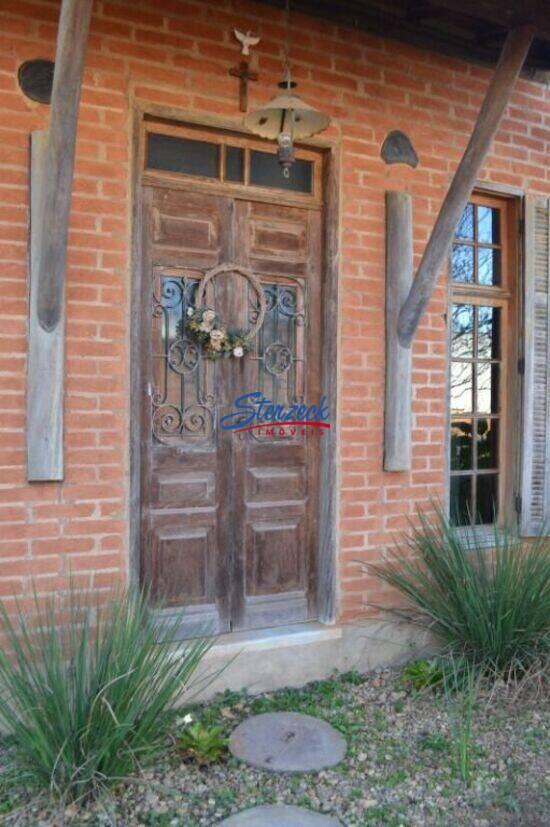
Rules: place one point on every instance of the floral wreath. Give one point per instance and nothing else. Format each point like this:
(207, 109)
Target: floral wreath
(204, 326)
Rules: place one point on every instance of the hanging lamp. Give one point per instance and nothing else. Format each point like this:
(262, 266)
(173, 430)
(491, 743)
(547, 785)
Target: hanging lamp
(286, 118)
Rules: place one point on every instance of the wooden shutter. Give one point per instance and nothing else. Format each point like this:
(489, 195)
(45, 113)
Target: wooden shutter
(535, 504)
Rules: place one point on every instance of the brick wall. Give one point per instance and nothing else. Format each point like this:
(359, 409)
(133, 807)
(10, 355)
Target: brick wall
(180, 57)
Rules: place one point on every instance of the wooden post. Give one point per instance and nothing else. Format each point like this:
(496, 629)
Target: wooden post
(45, 350)
(500, 89)
(327, 575)
(52, 164)
(72, 37)
(399, 272)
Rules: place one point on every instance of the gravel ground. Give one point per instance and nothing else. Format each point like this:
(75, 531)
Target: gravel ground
(398, 770)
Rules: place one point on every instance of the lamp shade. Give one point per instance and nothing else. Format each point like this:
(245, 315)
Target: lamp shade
(267, 121)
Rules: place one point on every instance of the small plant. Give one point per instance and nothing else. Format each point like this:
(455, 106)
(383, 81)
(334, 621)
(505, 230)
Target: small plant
(490, 605)
(87, 703)
(421, 674)
(9, 798)
(460, 705)
(435, 674)
(204, 744)
(434, 742)
(352, 678)
(505, 797)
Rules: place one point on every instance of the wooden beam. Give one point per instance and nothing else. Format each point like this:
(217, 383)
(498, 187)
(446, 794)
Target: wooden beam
(399, 272)
(52, 163)
(496, 100)
(44, 428)
(72, 37)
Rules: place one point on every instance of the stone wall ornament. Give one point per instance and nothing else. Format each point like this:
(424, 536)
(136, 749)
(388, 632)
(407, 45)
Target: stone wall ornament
(35, 78)
(398, 149)
(247, 40)
(205, 327)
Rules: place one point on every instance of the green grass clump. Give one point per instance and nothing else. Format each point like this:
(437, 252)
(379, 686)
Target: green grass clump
(491, 606)
(88, 702)
(460, 705)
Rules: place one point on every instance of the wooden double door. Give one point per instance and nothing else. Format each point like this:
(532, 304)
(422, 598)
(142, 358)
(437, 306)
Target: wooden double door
(229, 520)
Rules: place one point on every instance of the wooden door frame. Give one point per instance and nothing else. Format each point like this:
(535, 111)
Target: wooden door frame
(329, 489)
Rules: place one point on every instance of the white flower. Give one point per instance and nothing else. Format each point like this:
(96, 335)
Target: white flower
(238, 351)
(188, 719)
(207, 321)
(190, 311)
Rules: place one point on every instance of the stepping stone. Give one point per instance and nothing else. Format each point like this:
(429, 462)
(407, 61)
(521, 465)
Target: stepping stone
(287, 742)
(281, 815)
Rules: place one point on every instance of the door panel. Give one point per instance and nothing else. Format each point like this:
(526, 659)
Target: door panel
(229, 520)
(181, 491)
(280, 494)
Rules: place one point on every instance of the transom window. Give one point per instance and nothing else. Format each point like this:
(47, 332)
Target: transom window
(227, 159)
(481, 335)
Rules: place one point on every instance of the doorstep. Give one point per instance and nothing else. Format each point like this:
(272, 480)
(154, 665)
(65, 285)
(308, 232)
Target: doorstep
(291, 656)
(297, 634)
(266, 659)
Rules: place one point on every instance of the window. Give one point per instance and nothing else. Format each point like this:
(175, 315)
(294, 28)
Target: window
(481, 348)
(183, 155)
(265, 171)
(229, 160)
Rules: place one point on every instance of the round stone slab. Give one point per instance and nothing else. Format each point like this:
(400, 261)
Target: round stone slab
(273, 815)
(287, 742)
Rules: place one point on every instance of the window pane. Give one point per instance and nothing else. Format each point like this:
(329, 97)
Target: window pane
(265, 171)
(465, 227)
(487, 388)
(488, 225)
(234, 163)
(487, 443)
(182, 155)
(462, 263)
(488, 266)
(488, 335)
(461, 493)
(487, 505)
(461, 445)
(462, 400)
(462, 331)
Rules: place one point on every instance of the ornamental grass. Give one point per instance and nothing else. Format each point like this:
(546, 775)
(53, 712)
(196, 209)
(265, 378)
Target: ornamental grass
(490, 605)
(86, 704)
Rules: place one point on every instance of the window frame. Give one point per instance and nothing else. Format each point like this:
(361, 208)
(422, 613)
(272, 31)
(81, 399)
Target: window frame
(506, 297)
(222, 184)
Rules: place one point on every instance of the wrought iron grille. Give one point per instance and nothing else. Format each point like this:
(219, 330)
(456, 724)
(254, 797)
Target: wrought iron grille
(183, 401)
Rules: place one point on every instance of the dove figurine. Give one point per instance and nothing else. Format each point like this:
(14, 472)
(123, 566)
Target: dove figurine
(247, 40)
